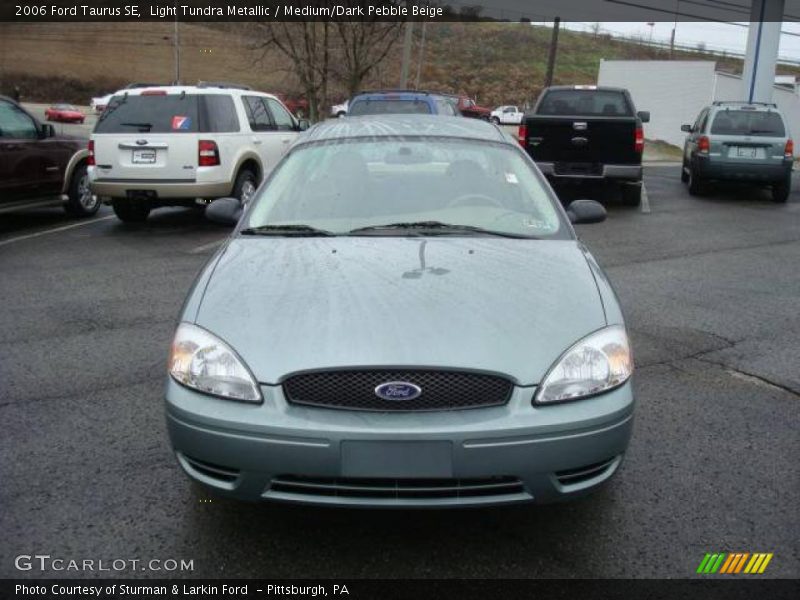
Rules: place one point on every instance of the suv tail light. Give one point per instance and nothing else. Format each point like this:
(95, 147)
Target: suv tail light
(703, 144)
(522, 134)
(207, 154)
(638, 139)
(90, 159)
(788, 151)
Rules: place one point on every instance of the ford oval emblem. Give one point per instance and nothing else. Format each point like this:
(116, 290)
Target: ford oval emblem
(141, 142)
(398, 391)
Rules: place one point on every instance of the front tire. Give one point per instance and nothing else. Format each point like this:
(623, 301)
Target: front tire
(495, 120)
(130, 211)
(81, 201)
(781, 190)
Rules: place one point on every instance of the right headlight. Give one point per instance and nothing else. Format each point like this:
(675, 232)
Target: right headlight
(597, 363)
(202, 361)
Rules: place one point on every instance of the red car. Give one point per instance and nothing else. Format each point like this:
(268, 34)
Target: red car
(65, 113)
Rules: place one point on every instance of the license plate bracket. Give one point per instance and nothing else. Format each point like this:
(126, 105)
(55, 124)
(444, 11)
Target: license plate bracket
(746, 152)
(397, 459)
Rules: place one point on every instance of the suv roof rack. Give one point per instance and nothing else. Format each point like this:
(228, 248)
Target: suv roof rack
(394, 91)
(223, 84)
(743, 102)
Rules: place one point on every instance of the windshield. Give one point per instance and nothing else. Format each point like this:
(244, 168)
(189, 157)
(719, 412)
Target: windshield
(344, 185)
(386, 107)
(748, 122)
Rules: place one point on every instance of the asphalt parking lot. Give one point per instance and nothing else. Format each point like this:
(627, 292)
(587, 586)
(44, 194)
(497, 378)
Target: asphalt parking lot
(710, 286)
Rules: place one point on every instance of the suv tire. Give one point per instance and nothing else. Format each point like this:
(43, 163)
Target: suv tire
(781, 190)
(130, 211)
(81, 202)
(632, 194)
(695, 183)
(245, 186)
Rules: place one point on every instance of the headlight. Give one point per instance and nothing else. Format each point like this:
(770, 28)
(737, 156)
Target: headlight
(597, 363)
(202, 361)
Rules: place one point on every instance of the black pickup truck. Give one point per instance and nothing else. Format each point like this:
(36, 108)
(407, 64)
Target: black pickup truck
(587, 134)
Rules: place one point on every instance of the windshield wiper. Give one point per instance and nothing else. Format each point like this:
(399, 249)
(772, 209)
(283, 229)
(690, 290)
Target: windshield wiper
(435, 228)
(144, 127)
(295, 230)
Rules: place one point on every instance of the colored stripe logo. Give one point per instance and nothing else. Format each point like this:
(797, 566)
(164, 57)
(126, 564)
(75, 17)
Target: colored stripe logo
(734, 563)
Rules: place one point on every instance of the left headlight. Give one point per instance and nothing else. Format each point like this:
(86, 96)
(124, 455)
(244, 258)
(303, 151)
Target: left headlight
(202, 361)
(597, 363)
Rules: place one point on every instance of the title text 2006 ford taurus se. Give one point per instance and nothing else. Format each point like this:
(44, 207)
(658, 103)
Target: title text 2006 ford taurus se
(402, 317)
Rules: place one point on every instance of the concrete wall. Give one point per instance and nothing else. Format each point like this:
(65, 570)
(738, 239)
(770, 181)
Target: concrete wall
(676, 91)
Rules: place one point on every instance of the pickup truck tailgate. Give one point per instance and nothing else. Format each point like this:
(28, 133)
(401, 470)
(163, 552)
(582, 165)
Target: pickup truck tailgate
(590, 142)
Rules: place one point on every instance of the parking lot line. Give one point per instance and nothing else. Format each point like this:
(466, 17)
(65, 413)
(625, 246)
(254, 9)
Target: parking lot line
(54, 230)
(645, 204)
(204, 247)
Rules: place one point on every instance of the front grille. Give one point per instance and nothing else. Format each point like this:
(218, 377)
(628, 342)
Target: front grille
(395, 489)
(355, 390)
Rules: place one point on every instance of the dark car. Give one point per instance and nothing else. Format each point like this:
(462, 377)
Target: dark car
(385, 102)
(40, 168)
(587, 134)
(739, 141)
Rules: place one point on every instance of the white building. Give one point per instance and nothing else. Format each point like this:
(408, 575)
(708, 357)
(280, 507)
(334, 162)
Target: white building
(676, 91)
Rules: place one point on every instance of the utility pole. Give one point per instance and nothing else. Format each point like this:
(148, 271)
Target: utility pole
(421, 56)
(674, 28)
(177, 42)
(551, 61)
(406, 54)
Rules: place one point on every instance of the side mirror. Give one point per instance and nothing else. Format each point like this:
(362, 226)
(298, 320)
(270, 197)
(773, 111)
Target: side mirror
(686, 128)
(586, 211)
(225, 211)
(47, 131)
(644, 116)
(303, 124)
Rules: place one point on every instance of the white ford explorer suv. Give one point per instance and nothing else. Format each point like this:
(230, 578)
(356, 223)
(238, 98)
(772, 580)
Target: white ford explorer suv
(182, 145)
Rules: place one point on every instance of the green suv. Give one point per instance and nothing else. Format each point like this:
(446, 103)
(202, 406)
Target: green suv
(738, 141)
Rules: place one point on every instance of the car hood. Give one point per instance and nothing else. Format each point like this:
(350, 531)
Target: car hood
(487, 304)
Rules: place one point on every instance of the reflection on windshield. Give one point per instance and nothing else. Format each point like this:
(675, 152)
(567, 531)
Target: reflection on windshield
(345, 185)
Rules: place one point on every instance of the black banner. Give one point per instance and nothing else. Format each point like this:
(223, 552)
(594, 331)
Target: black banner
(734, 588)
(381, 10)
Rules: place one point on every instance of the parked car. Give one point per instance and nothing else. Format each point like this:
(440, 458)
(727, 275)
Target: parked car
(506, 115)
(467, 107)
(400, 102)
(739, 141)
(99, 103)
(64, 113)
(340, 110)
(169, 146)
(587, 134)
(403, 316)
(39, 168)
(297, 106)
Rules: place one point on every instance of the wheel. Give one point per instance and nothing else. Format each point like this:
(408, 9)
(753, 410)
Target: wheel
(81, 201)
(495, 120)
(782, 189)
(130, 211)
(632, 194)
(341, 114)
(245, 186)
(684, 174)
(695, 183)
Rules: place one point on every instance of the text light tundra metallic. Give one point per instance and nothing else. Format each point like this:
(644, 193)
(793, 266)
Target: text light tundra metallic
(402, 317)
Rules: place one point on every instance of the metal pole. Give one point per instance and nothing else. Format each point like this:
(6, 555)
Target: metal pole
(406, 55)
(551, 61)
(177, 41)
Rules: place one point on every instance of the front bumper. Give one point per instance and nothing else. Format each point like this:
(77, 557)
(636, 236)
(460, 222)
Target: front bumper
(622, 172)
(487, 456)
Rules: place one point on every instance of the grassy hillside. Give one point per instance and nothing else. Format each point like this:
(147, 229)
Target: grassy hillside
(495, 62)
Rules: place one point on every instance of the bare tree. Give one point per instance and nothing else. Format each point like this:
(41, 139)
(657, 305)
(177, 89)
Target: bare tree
(361, 47)
(307, 46)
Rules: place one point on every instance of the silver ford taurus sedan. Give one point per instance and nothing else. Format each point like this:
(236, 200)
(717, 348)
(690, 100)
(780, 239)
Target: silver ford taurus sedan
(403, 316)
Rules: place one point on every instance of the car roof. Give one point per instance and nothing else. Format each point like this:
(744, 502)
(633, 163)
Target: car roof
(723, 105)
(402, 125)
(191, 89)
(399, 95)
